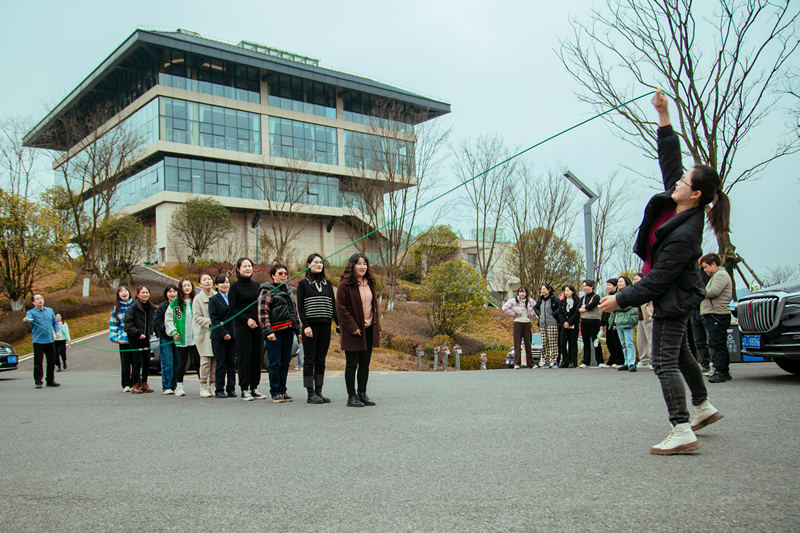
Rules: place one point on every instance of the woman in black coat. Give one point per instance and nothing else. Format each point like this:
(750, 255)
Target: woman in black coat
(669, 243)
(568, 318)
(139, 326)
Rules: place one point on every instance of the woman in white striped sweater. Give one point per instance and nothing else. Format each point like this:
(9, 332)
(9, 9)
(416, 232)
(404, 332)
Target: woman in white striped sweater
(316, 305)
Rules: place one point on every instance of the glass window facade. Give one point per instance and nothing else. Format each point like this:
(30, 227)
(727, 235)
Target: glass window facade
(210, 126)
(139, 186)
(359, 108)
(145, 122)
(212, 72)
(206, 87)
(305, 96)
(373, 152)
(302, 141)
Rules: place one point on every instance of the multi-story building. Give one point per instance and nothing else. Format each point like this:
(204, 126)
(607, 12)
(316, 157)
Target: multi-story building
(254, 127)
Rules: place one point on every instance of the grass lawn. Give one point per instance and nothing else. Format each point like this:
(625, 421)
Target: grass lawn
(78, 327)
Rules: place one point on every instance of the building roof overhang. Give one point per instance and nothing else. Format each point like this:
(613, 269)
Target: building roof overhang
(196, 44)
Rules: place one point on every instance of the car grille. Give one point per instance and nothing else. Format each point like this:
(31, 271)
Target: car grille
(757, 315)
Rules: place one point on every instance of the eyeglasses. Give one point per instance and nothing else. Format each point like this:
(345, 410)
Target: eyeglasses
(281, 273)
(683, 180)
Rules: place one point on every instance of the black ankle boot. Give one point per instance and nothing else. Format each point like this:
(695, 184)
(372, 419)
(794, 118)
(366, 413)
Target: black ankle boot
(353, 401)
(325, 399)
(312, 397)
(365, 399)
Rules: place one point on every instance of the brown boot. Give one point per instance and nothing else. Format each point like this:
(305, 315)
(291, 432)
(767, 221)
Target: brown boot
(146, 387)
(137, 388)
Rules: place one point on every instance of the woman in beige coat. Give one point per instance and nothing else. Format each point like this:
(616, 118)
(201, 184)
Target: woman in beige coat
(202, 321)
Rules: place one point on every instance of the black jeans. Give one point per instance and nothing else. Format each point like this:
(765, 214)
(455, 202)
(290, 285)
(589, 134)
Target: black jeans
(315, 349)
(589, 330)
(141, 359)
(225, 356)
(40, 353)
(674, 363)
(568, 345)
(61, 353)
(700, 336)
(250, 353)
(717, 326)
(358, 360)
(125, 359)
(184, 354)
(615, 354)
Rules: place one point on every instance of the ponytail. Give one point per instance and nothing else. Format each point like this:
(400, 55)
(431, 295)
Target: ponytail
(720, 214)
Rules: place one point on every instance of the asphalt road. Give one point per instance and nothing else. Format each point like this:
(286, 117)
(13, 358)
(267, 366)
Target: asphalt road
(502, 450)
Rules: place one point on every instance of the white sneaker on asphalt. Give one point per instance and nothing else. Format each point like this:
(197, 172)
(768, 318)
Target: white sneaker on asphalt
(126, 389)
(204, 392)
(603, 365)
(704, 414)
(257, 395)
(680, 439)
(615, 366)
(246, 396)
(640, 365)
(552, 365)
(582, 365)
(179, 390)
(516, 367)
(169, 391)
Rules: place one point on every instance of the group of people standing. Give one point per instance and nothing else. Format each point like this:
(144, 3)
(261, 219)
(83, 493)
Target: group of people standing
(229, 329)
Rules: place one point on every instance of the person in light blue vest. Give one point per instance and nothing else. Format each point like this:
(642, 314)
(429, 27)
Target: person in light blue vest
(44, 324)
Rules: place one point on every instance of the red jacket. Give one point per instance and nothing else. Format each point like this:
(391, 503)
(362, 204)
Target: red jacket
(351, 317)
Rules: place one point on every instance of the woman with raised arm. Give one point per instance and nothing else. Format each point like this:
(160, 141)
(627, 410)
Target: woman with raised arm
(669, 243)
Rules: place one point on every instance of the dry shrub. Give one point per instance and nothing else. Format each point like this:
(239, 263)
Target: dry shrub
(69, 300)
(402, 345)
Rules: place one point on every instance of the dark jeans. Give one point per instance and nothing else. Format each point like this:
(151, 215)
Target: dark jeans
(589, 331)
(280, 355)
(249, 352)
(717, 326)
(358, 360)
(522, 332)
(40, 352)
(125, 359)
(700, 336)
(61, 353)
(225, 355)
(568, 346)
(674, 363)
(615, 354)
(315, 349)
(184, 353)
(141, 360)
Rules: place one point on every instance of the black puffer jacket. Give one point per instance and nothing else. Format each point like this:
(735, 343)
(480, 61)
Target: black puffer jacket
(673, 283)
(139, 319)
(555, 304)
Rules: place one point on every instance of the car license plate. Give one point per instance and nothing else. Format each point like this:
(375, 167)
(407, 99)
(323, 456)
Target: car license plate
(12, 359)
(751, 341)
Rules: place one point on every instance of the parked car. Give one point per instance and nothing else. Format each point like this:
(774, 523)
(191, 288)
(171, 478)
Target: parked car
(536, 348)
(769, 321)
(8, 357)
(192, 365)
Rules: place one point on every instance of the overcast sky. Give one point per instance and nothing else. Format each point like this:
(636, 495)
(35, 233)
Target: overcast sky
(495, 62)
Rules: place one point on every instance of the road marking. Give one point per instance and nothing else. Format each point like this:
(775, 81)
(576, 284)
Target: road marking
(85, 337)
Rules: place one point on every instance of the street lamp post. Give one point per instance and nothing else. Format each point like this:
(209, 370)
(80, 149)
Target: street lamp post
(587, 221)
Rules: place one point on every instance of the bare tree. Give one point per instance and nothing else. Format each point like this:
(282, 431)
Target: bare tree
(486, 192)
(781, 274)
(124, 243)
(290, 199)
(541, 215)
(720, 63)
(607, 213)
(624, 260)
(396, 173)
(17, 162)
(96, 158)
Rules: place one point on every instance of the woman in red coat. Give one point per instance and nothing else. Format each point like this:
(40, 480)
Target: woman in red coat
(359, 320)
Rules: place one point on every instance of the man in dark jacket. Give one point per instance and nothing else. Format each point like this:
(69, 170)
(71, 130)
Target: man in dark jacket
(223, 345)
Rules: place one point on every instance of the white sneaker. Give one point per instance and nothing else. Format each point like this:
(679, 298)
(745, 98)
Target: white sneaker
(246, 396)
(704, 414)
(615, 366)
(204, 393)
(179, 390)
(680, 439)
(126, 389)
(257, 395)
(542, 365)
(516, 367)
(603, 365)
(640, 365)
(169, 391)
(582, 366)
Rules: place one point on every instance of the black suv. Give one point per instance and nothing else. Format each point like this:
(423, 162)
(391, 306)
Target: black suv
(769, 320)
